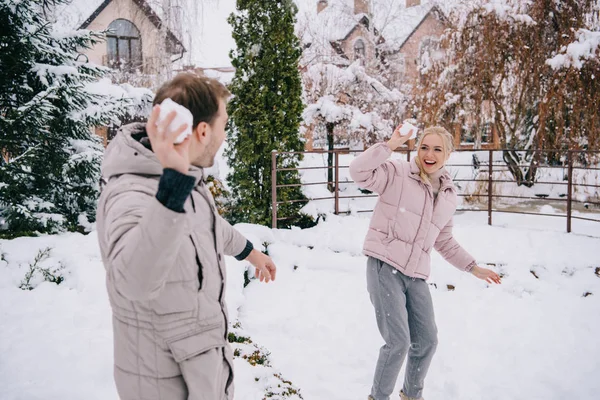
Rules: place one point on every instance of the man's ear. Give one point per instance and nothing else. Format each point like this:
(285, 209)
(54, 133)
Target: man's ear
(201, 132)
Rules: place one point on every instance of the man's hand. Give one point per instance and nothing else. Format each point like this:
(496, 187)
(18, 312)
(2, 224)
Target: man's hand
(486, 274)
(397, 139)
(265, 267)
(170, 155)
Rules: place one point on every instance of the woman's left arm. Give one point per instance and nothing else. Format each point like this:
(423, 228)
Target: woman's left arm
(448, 247)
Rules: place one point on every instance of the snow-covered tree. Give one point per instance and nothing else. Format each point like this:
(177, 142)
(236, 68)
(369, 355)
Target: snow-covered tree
(265, 111)
(383, 27)
(530, 69)
(346, 105)
(353, 97)
(50, 164)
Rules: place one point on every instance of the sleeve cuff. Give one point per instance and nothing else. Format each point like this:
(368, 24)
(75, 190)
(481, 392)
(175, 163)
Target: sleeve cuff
(246, 252)
(174, 189)
(386, 148)
(470, 267)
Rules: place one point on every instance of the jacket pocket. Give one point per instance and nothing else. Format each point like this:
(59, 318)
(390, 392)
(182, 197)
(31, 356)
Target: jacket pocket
(199, 264)
(198, 260)
(198, 341)
(391, 235)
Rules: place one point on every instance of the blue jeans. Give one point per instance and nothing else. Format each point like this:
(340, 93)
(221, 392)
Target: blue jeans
(404, 313)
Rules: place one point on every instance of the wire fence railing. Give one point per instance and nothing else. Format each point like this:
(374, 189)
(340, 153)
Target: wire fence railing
(486, 168)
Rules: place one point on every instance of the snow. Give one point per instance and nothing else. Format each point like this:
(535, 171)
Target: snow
(333, 23)
(396, 24)
(510, 10)
(577, 53)
(138, 101)
(327, 108)
(315, 320)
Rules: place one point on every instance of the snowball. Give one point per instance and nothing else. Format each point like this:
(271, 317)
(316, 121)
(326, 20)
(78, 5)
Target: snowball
(184, 116)
(406, 128)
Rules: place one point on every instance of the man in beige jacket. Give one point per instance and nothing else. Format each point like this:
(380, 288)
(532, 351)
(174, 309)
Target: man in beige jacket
(163, 246)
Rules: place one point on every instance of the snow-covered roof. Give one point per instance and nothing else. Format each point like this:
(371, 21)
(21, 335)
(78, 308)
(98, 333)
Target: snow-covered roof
(204, 29)
(392, 20)
(78, 14)
(398, 24)
(333, 23)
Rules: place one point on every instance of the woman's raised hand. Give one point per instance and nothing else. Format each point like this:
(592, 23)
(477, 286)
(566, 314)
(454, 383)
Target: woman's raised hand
(397, 139)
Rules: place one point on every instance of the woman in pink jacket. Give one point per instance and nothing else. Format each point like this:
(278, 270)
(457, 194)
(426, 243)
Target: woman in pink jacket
(417, 201)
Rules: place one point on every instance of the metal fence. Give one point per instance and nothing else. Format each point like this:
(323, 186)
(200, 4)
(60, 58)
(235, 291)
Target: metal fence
(488, 167)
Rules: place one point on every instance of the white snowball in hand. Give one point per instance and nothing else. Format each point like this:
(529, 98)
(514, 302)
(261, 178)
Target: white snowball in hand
(184, 116)
(406, 128)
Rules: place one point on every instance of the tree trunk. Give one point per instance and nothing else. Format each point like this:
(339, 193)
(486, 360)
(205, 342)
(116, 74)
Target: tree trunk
(330, 127)
(525, 178)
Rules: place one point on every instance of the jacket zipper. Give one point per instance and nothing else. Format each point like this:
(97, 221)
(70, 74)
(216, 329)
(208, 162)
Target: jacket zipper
(412, 250)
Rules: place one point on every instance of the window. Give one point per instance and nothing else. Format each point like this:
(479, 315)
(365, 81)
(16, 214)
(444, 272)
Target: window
(429, 51)
(359, 50)
(397, 67)
(124, 47)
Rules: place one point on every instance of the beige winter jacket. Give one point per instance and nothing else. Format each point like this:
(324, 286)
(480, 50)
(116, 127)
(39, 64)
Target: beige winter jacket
(165, 274)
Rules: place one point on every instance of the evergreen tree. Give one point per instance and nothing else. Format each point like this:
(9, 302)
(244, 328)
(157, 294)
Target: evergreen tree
(265, 112)
(50, 164)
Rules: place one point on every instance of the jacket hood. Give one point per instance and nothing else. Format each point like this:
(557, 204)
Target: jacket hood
(130, 152)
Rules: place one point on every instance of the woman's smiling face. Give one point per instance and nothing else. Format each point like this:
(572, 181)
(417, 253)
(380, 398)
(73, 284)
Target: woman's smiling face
(432, 153)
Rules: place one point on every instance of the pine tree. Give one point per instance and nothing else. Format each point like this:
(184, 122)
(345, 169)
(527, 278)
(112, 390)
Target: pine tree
(265, 111)
(50, 164)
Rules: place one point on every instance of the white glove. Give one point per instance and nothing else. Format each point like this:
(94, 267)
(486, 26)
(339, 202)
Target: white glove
(184, 116)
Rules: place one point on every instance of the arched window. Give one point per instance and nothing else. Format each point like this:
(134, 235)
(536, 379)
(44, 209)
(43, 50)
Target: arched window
(124, 46)
(359, 49)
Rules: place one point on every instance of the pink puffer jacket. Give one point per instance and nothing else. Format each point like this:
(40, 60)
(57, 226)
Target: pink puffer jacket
(407, 223)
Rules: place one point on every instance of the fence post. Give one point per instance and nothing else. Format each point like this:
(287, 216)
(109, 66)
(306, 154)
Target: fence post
(274, 189)
(490, 181)
(569, 189)
(337, 182)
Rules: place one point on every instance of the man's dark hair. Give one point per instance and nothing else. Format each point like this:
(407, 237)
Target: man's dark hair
(198, 94)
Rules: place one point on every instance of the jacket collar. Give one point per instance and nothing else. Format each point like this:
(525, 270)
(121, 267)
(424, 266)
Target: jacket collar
(446, 180)
(130, 152)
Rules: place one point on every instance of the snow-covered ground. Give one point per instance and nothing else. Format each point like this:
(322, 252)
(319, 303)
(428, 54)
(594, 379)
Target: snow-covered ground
(533, 337)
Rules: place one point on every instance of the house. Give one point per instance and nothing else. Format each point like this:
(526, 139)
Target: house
(138, 39)
(403, 38)
(141, 41)
(141, 36)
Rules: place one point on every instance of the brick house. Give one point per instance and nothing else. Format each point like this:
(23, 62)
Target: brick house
(405, 38)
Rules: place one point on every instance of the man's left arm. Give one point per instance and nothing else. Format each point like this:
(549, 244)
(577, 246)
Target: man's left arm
(234, 243)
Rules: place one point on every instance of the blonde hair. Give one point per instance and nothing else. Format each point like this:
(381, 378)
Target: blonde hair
(447, 139)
